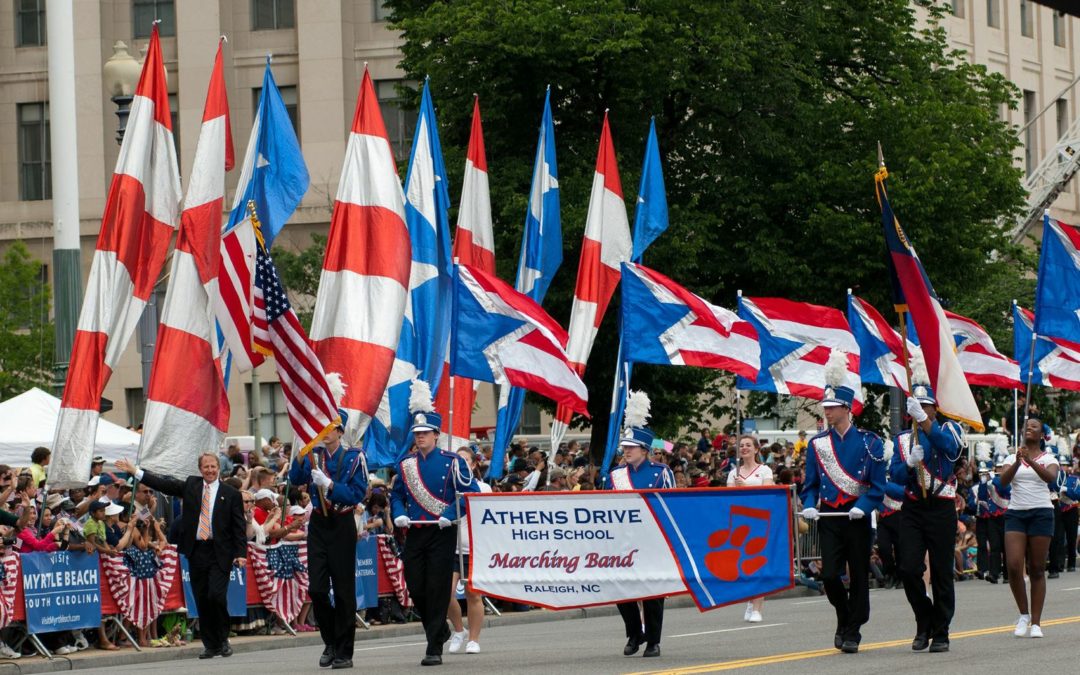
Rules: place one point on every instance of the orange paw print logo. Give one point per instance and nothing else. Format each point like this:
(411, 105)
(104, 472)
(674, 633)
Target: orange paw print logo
(739, 554)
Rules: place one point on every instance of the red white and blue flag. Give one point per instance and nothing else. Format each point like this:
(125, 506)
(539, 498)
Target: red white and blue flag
(500, 335)
(983, 364)
(796, 341)
(1056, 362)
(913, 293)
(881, 355)
(1057, 292)
(664, 323)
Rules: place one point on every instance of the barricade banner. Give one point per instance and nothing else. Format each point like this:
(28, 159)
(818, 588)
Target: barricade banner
(392, 570)
(140, 580)
(62, 591)
(237, 594)
(281, 575)
(11, 571)
(565, 550)
(367, 573)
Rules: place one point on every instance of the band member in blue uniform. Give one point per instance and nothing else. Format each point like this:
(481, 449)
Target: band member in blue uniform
(988, 501)
(925, 469)
(424, 501)
(888, 532)
(1063, 546)
(639, 473)
(845, 473)
(336, 476)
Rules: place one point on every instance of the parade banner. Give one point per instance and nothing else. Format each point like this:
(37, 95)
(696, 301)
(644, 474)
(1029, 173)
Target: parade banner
(563, 550)
(367, 572)
(237, 593)
(62, 591)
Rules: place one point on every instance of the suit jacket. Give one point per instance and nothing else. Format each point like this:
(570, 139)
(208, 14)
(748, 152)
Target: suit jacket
(227, 522)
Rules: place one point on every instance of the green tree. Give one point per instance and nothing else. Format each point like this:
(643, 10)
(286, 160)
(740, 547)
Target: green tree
(300, 271)
(26, 333)
(768, 115)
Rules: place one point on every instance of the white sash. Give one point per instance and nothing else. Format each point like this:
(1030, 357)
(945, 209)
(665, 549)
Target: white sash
(948, 488)
(620, 479)
(996, 498)
(410, 471)
(892, 504)
(829, 463)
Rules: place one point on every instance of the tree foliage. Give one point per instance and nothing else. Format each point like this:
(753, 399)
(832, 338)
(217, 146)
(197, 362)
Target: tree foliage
(768, 115)
(26, 332)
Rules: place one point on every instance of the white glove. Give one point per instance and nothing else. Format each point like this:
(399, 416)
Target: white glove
(810, 513)
(855, 513)
(915, 456)
(914, 408)
(444, 523)
(320, 479)
(402, 521)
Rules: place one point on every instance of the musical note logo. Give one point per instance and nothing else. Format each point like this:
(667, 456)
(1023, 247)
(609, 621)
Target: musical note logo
(739, 552)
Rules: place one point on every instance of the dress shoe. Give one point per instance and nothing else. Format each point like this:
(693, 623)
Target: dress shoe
(850, 647)
(921, 642)
(939, 645)
(1052, 575)
(431, 660)
(632, 645)
(343, 663)
(209, 653)
(226, 649)
(991, 579)
(838, 641)
(1070, 569)
(327, 657)
(651, 650)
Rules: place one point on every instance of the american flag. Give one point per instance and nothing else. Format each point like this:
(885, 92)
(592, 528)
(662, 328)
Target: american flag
(277, 332)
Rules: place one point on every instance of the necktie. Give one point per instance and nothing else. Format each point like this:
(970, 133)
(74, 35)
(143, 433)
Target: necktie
(204, 515)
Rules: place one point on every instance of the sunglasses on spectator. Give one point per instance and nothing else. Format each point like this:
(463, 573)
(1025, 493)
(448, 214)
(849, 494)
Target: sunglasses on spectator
(249, 501)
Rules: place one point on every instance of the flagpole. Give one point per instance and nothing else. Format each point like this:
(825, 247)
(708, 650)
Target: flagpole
(738, 394)
(450, 342)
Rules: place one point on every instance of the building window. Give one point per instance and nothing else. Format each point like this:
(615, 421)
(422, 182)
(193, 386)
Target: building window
(1030, 158)
(136, 406)
(29, 23)
(400, 121)
(1061, 107)
(272, 414)
(273, 14)
(381, 11)
(1059, 29)
(35, 170)
(993, 13)
(288, 97)
(174, 114)
(530, 419)
(958, 8)
(1027, 27)
(145, 12)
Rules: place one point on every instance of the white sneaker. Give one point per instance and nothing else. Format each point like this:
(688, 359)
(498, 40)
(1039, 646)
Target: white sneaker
(8, 653)
(474, 647)
(63, 651)
(755, 617)
(81, 643)
(749, 610)
(456, 640)
(1022, 625)
(1036, 632)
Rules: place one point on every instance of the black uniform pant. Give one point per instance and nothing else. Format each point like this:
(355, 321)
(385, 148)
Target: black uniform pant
(996, 527)
(429, 566)
(653, 610)
(845, 547)
(332, 569)
(929, 528)
(1063, 546)
(982, 545)
(888, 542)
(210, 586)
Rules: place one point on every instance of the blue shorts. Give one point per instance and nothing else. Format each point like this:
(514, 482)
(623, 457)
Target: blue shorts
(1032, 522)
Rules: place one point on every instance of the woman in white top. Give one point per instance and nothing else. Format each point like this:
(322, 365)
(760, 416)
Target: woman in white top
(473, 601)
(748, 472)
(1029, 524)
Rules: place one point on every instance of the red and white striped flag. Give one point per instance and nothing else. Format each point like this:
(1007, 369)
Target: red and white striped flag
(983, 364)
(187, 409)
(141, 212)
(365, 277)
(607, 245)
(474, 246)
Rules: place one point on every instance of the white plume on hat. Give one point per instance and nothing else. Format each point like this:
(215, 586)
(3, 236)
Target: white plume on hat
(982, 451)
(420, 397)
(337, 387)
(919, 375)
(637, 410)
(836, 369)
(887, 451)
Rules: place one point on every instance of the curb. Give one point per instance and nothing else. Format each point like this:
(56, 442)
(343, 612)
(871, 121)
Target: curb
(93, 658)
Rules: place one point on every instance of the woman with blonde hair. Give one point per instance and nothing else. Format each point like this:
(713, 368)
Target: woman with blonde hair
(749, 472)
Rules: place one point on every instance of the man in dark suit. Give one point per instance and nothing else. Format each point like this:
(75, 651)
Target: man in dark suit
(212, 537)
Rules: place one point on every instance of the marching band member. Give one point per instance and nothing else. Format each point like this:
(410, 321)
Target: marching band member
(639, 473)
(845, 471)
(424, 501)
(1029, 524)
(888, 527)
(1068, 495)
(989, 500)
(925, 468)
(336, 476)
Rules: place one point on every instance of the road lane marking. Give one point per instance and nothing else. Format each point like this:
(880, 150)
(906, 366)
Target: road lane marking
(403, 644)
(810, 602)
(1075, 588)
(726, 630)
(816, 653)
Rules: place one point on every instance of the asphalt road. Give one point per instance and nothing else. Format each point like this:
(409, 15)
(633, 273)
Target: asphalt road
(795, 637)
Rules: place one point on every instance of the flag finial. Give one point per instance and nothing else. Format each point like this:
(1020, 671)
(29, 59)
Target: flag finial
(880, 156)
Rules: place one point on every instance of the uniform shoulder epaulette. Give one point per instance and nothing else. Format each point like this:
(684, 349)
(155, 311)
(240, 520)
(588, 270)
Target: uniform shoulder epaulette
(820, 434)
(867, 432)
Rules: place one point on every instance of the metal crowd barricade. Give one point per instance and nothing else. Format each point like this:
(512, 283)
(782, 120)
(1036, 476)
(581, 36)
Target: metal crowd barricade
(808, 544)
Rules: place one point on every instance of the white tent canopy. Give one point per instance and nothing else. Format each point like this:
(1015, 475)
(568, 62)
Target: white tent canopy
(29, 420)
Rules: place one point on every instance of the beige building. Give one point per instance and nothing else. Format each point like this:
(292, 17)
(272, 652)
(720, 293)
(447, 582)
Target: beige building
(319, 49)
